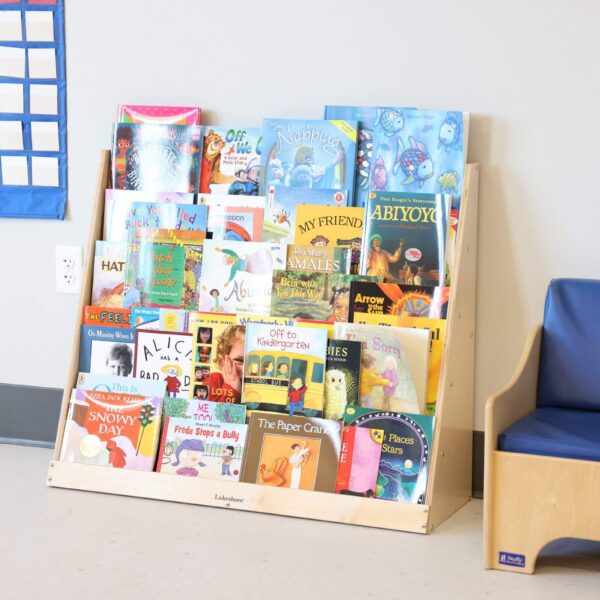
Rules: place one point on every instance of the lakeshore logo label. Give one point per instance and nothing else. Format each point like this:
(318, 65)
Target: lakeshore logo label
(510, 559)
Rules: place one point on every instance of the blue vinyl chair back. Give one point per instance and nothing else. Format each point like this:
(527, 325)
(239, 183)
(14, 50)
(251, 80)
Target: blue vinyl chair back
(570, 357)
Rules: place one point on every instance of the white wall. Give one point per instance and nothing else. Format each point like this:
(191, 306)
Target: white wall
(527, 72)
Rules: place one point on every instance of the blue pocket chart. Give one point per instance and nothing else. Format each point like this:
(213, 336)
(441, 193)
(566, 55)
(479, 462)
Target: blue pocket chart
(33, 120)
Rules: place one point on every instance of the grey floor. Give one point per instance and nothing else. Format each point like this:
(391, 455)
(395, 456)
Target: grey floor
(65, 544)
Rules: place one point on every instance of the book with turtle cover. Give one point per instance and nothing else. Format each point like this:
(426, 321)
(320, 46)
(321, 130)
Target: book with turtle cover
(308, 154)
(120, 385)
(171, 115)
(107, 350)
(156, 157)
(230, 160)
(284, 369)
(359, 461)
(280, 209)
(405, 237)
(292, 452)
(342, 371)
(405, 452)
(112, 430)
(323, 259)
(109, 274)
(398, 299)
(235, 223)
(106, 317)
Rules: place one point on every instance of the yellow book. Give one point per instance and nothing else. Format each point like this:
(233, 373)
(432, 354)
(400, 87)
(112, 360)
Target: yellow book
(329, 226)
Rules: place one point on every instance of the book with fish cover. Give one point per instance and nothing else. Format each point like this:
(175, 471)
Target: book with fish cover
(405, 452)
(109, 274)
(100, 382)
(230, 160)
(308, 154)
(155, 157)
(342, 371)
(359, 461)
(313, 295)
(405, 238)
(284, 369)
(398, 299)
(107, 350)
(160, 319)
(170, 115)
(280, 209)
(298, 453)
(436, 347)
(235, 223)
(238, 276)
(323, 259)
(198, 448)
(388, 379)
(106, 317)
(407, 150)
(112, 430)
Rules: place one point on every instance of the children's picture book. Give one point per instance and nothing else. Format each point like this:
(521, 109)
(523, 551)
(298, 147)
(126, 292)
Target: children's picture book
(398, 299)
(230, 160)
(107, 350)
(298, 453)
(281, 204)
(312, 295)
(359, 461)
(112, 430)
(238, 276)
(192, 448)
(323, 259)
(451, 244)
(164, 356)
(159, 319)
(407, 150)
(106, 317)
(109, 274)
(125, 217)
(342, 377)
(386, 382)
(308, 154)
(405, 237)
(100, 382)
(170, 115)
(203, 411)
(112, 197)
(235, 223)
(404, 462)
(436, 348)
(284, 369)
(211, 200)
(156, 157)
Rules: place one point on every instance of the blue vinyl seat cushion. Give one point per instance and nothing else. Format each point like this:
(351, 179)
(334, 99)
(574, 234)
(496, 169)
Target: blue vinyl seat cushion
(550, 431)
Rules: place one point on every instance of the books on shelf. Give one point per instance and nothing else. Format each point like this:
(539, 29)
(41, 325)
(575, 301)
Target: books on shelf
(171, 115)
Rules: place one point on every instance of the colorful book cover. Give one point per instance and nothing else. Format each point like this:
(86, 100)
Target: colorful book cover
(230, 161)
(169, 115)
(407, 150)
(217, 366)
(342, 373)
(156, 157)
(284, 369)
(385, 380)
(109, 274)
(235, 224)
(280, 209)
(323, 259)
(398, 299)
(204, 411)
(211, 200)
(315, 296)
(164, 356)
(436, 348)
(159, 319)
(359, 461)
(308, 154)
(120, 385)
(107, 350)
(405, 451)
(405, 238)
(112, 197)
(298, 453)
(112, 430)
(126, 217)
(202, 449)
(106, 317)
(238, 276)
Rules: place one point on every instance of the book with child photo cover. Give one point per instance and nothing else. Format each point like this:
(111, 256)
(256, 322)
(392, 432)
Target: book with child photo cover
(106, 350)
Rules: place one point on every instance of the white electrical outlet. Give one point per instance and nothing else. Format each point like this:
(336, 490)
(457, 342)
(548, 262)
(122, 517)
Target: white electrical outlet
(69, 267)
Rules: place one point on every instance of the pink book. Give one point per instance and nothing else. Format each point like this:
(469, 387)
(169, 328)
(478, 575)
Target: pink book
(171, 115)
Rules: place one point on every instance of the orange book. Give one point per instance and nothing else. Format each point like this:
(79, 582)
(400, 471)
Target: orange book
(107, 317)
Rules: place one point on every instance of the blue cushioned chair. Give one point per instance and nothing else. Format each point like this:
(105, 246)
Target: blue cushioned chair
(542, 456)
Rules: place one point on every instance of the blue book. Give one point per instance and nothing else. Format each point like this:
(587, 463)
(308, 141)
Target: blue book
(308, 154)
(107, 350)
(407, 150)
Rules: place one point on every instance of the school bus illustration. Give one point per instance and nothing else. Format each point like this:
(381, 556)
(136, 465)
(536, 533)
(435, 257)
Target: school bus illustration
(284, 382)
